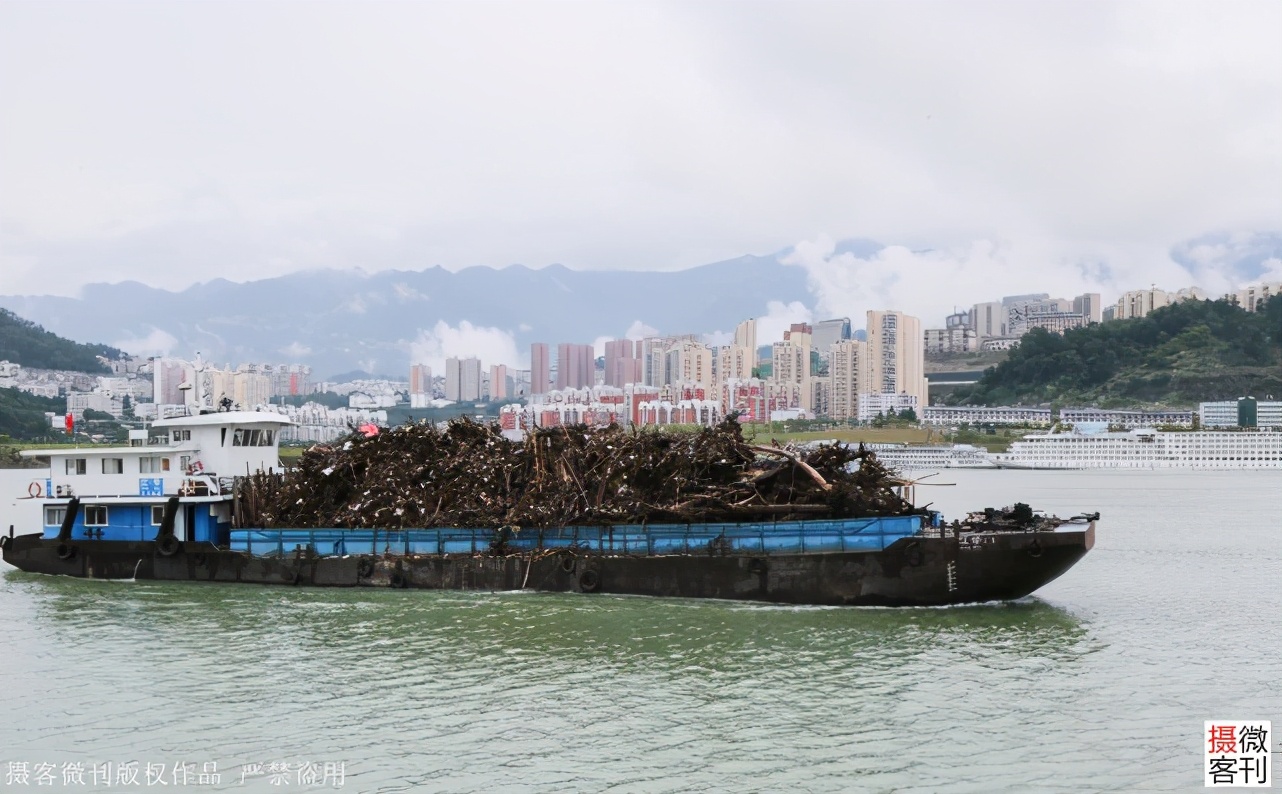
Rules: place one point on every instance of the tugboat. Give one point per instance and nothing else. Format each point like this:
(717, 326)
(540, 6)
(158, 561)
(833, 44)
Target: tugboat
(173, 507)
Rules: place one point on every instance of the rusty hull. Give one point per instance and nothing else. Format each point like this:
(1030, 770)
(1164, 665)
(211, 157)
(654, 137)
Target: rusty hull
(916, 571)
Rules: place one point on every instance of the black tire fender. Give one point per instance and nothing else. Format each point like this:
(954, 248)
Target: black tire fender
(365, 568)
(168, 545)
(1035, 549)
(567, 563)
(913, 554)
(589, 581)
(66, 551)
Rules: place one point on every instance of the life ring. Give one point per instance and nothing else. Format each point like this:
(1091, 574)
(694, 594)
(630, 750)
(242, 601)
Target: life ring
(589, 581)
(913, 553)
(365, 567)
(34, 490)
(168, 545)
(66, 551)
(568, 563)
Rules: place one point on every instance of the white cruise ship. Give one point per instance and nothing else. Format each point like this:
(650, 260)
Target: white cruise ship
(1146, 449)
(909, 457)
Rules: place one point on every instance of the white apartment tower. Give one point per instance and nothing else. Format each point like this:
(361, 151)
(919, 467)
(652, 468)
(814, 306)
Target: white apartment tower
(849, 374)
(897, 356)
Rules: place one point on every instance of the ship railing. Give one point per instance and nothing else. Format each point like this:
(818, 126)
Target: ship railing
(784, 537)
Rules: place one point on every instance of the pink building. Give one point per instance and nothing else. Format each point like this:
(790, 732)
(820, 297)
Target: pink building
(622, 362)
(498, 382)
(539, 369)
(575, 366)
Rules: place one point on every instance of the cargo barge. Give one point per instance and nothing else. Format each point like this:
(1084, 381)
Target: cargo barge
(167, 509)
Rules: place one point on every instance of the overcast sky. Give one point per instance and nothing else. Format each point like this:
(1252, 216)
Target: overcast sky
(1073, 144)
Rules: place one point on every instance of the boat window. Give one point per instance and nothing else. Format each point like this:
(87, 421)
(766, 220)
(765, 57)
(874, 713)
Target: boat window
(164, 464)
(157, 514)
(54, 516)
(95, 515)
(152, 465)
(252, 438)
(182, 435)
(76, 466)
(113, 465)
(184, 463)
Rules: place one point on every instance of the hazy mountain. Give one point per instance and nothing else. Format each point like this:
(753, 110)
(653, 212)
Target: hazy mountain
(338, 320)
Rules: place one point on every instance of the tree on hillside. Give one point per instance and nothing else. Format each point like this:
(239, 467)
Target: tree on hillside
(23, 342)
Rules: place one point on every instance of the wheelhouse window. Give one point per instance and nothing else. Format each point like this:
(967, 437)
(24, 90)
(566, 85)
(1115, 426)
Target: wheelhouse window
(54, 516)
(157, 514)
(113, 465)
(76, 466)
(245, 437)
(95, 515)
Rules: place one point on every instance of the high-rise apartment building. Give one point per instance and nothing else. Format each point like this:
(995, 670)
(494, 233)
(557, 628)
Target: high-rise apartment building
(622, 364)
(498, 382)
(540, 368)
(790, 363)
(575, 366)
(849, 374)
(988, 320)
(1138, 303)
(896, 355)
(690, 362)
(828, 333)
(1089, 306)
(420, 379)
(463, 379)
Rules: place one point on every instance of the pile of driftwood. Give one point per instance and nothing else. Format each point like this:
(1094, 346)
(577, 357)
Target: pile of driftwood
(469, 475)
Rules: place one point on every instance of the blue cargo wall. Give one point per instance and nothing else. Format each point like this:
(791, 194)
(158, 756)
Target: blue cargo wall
(133, 522)
(784, 537)
(124, 522)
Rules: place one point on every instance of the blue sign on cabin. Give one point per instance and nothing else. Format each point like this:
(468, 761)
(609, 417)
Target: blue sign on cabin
(151, 486)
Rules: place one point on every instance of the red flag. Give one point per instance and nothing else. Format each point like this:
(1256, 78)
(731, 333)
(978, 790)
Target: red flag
(71, 423)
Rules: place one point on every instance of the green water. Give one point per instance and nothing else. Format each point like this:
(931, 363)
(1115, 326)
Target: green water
(1100, 682)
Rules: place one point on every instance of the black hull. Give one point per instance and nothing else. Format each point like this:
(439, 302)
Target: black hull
(919, 571)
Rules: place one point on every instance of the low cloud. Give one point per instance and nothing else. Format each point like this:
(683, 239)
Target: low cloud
(639, 330)
(490, 345)
(778, 317)
(156, 343)
(296, 350)
(930, 284)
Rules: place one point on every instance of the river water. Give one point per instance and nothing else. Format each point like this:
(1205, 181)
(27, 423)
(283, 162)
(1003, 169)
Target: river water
(1099, 682)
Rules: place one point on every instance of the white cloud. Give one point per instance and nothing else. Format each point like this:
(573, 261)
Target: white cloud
(491, 345)
(930, 284)
(779, 316)
(156, 343)
(639, 330)
(405, 293)
(296, 350)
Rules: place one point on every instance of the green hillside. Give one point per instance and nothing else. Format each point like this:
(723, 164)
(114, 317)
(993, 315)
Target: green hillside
(22, 415)
(23, 342)
(1177, 355)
